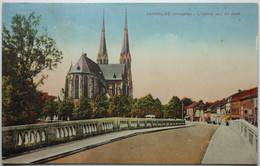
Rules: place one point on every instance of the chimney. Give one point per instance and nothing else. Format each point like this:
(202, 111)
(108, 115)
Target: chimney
(239, 90)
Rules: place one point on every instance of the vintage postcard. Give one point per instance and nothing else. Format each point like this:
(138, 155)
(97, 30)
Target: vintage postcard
(129, 83)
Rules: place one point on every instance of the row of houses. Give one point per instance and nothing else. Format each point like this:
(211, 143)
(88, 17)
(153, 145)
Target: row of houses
(241, 105)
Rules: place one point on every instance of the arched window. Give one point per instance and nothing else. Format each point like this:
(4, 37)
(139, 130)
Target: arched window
(76, 87)
(124, 60)
(93, 87)
(86, 86)
(66, 88)
(113, 89)
(123, 89)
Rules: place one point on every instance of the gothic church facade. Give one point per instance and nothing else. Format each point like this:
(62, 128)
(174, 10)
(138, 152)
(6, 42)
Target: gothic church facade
(90, 79)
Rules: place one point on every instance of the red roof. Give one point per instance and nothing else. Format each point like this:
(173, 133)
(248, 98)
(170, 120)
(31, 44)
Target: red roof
(183, 99)
(245, 94)
(193, 105)
(44, 95)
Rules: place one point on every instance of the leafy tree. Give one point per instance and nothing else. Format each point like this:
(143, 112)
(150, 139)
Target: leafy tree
(115, 106)
(83, 109)
(25, 54)
(147, 105)
(66, 108)
(173, 109)
(158, 108)
(50, 108)
(120, 106)
(127, 103)
(100, 106)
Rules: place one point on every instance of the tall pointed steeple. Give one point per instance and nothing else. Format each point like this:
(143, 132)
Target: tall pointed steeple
(125, 53)
(102, 54)
(125, 58)
(125, 48)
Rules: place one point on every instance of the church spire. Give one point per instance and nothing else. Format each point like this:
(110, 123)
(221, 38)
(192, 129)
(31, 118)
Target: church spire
(125, 48)
(102, 54)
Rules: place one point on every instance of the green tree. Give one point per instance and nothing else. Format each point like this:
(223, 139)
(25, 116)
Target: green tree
(65, 109)
(119, 106)
(25, 54)
(158, 108)
(83, 109)
(114, 106)
(50, 108)
(100, 106)
(173, 109)
(145, 106)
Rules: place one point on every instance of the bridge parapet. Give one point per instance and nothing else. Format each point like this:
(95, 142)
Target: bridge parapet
(22, 138)
(248, 133)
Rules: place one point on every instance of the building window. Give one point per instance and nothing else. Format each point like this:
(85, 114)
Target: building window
(86, 86)
(76, 87)
(124, 89)
(93, 87)
(113, 89)
(124, 60)
(66, 88)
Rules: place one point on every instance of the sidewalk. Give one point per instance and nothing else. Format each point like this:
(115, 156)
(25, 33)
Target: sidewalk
(56, 151)
(227, 147)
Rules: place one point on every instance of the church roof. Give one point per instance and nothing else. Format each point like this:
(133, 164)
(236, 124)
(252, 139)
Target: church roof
(86, 65)
(112, 71)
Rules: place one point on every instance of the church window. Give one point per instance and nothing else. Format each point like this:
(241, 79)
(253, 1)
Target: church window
(86, 86)
(124, 89)
(66, 87)
(93, 87)
(124, 60)
(113, 89)
(76, 87)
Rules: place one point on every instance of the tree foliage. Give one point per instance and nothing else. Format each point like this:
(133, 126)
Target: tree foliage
(147, 105)
(173, 109)
(25, 54)
(100, 106)
(65, 109)
(50, 108)
(83, 109)
(119, 106)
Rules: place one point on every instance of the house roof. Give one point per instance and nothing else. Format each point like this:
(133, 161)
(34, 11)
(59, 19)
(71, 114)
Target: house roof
(183, 99)
(216, 104)
(112, 71)
(194, 104)
(246, 94)
(86, 65)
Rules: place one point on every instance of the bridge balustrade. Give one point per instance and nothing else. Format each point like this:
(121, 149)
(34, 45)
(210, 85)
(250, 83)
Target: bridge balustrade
(22, 138)
(248, 133)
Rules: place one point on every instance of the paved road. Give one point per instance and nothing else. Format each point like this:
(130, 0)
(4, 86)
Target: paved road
(177, 146)
(49, 153)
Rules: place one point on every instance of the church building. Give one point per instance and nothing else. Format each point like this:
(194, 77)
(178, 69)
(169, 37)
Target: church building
(90, 79)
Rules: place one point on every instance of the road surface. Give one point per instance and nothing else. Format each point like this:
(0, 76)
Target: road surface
(177, 146)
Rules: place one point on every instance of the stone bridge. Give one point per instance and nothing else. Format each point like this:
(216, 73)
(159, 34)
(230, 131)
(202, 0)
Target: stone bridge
(178, 142)
(16, 139)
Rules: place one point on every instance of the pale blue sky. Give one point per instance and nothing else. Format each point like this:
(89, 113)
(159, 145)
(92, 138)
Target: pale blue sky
(202, 57)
